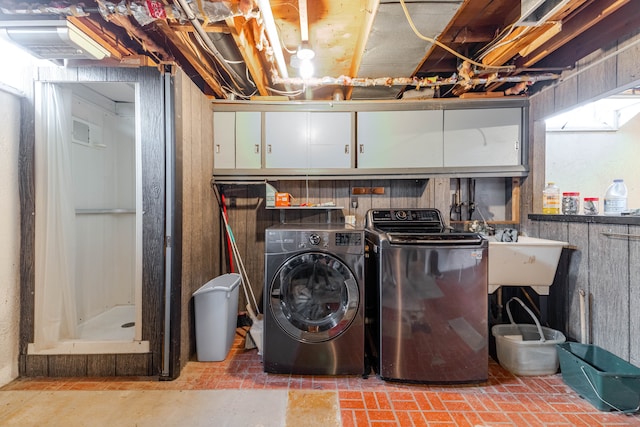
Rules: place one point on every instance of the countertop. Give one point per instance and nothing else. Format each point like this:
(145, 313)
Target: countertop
(597, 219)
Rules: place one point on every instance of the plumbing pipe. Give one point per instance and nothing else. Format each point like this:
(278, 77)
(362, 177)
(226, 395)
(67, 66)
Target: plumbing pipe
(583, 318)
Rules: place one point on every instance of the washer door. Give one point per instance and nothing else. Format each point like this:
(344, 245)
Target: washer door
(314, 297)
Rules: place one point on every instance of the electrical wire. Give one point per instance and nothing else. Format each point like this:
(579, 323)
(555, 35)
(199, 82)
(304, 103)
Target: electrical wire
(505, 32)
(288, 93)
(506, 42)
(447, 48)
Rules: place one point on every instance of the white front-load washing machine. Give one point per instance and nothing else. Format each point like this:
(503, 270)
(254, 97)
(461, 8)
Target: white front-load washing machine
(314, 300)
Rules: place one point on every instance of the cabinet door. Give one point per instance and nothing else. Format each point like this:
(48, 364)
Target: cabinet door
(286, 136)
(224, 140)
(399, 139)
(482, 137)
(248, 139)
(302, 140)
(236, 138)
(329, 140)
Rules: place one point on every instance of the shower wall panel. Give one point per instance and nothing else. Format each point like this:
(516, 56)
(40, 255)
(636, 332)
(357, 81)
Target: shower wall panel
(104, 193)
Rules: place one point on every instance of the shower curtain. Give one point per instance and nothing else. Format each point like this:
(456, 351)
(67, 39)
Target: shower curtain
(55, 310)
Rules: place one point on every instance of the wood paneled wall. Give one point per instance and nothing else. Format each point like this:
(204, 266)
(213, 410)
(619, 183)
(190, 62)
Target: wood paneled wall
(605, 268)
(196, 206)
(605, 72)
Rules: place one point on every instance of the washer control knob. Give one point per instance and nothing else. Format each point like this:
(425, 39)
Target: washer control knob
(314, 239)
(401, 215)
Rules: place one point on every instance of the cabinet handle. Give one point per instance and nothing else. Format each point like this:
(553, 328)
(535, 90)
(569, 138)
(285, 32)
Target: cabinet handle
(256, 149)
(269, 148)
(361, 148)
(346, 149)
(217, 148)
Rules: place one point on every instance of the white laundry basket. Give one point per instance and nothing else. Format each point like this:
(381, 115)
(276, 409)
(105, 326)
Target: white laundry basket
(525, 349)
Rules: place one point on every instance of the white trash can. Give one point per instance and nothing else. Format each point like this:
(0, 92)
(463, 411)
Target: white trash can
(216, 312)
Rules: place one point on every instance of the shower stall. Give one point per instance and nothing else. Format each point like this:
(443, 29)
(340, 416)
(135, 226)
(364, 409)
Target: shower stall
(88, 220)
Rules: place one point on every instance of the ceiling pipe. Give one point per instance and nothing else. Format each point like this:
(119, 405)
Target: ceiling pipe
(410, 81)
(208, 43)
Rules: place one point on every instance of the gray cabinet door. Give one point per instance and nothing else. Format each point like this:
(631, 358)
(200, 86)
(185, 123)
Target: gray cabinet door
(399, 139)
(224, 140)
(482, 137)
(248, 139)
(237, 139)
(308, 140)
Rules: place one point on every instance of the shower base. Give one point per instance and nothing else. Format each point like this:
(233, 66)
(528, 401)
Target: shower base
(102, 334)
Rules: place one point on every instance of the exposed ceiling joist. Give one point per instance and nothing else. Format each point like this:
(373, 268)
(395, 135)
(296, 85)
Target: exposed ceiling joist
(370, 40)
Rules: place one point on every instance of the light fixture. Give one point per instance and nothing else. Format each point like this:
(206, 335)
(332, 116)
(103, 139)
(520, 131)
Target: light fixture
(304, 51)
(306, 68)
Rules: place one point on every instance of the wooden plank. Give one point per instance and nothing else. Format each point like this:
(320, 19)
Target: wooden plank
(134, 364)
(67, 365)
(27, 197)
(101, 365)
(634, 295)
(518, 40)
(578, 281)
(573, 27)
(243, 33)
(102, 36)
(597, 80)
(37, 366)
(628, 62)
(153, 205)
(515, 200)
(609, 287)
(181, 113)
(187, 47)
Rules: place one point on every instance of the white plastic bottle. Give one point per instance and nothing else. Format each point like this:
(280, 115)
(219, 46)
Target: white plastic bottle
(551, 199)
(615, 200)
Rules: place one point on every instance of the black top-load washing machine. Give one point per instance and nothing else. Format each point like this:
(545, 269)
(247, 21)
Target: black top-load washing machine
(426, 298)
(314, 300)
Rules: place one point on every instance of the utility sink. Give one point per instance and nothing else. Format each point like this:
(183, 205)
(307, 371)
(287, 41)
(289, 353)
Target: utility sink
(530, 261)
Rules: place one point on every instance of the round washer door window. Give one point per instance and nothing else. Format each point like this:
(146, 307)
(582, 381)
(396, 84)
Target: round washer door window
(314, 297)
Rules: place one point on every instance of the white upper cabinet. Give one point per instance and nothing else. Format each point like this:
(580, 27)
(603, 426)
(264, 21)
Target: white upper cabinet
(237, 139)
(482, 137)
(308, 140)
(399, 139)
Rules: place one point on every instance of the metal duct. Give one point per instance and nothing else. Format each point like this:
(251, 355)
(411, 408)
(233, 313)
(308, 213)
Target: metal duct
(52, 39)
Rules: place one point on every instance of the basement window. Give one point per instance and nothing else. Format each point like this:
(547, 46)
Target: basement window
(605, 115)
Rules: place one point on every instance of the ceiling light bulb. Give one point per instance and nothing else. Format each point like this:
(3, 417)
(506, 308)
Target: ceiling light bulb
(305, 51)
(306, 68)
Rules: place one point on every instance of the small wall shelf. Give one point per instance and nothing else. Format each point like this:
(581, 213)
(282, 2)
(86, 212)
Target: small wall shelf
(283, 209)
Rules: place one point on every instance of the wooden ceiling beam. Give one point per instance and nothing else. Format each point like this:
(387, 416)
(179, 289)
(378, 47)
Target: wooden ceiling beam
(623, 22)
(195, 56)
(243, 33)
(371, 10)
(215, 27)
(573, 27)
(470, 34)
(103, 37)
(519, 39)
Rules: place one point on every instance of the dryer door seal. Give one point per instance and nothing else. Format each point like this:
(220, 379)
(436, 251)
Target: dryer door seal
(314, 297)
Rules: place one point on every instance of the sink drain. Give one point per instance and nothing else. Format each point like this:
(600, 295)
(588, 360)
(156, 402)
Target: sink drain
(128, 325)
